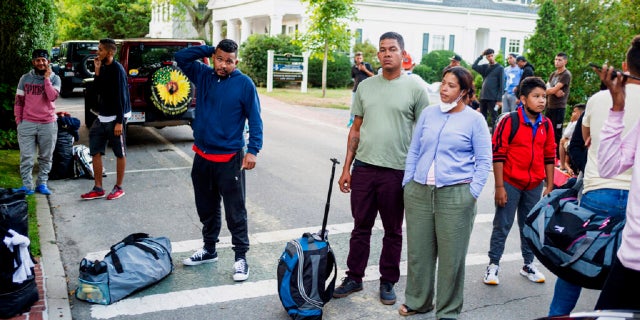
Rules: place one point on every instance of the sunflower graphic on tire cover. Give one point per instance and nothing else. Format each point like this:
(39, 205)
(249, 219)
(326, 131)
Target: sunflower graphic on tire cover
(171, 90)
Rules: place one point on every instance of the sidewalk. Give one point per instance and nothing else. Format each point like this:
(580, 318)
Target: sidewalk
(50, 277)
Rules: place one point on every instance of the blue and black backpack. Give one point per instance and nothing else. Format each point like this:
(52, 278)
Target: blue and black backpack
(304, 268)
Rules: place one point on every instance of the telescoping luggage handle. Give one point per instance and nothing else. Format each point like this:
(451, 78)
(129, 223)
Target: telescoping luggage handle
(323, 232)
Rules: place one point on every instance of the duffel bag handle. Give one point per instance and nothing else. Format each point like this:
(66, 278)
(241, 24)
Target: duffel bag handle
(133, 240)
(134, 237)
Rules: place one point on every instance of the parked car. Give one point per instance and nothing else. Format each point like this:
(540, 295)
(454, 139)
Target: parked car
(160, 93)
(74, 63)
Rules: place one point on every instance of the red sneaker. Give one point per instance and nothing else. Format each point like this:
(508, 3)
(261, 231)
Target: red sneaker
(116, 193)
(95, 193)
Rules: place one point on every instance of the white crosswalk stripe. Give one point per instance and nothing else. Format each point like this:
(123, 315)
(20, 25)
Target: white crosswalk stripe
(224, 293)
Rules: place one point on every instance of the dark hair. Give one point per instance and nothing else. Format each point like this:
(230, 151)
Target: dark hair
(393, 35)
(488, 51)
(563, 55)
(109, 44)
(513, 55)
(633, 56)
(40, 53)
(465, 80)
(529, 83)
(228, 46)
(580, 106)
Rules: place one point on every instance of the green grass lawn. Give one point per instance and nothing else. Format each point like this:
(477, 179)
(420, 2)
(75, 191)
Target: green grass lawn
(10, 178)
(334, 98)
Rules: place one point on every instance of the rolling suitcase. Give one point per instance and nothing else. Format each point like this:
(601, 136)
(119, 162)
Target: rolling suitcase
(304, 269)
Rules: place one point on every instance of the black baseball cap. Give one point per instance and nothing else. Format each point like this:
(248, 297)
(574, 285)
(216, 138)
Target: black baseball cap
(456, 58)
(40, 53)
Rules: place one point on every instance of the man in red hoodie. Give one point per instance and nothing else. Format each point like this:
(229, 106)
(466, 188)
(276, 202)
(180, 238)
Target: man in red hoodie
(521, 162)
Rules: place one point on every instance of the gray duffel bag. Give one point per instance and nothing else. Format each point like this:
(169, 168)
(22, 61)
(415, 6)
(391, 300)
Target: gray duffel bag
(132, 264)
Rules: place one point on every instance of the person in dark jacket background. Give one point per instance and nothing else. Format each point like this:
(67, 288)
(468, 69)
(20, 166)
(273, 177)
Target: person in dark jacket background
(110, 81)
(492, 85)
(527, 68)
(226, 100)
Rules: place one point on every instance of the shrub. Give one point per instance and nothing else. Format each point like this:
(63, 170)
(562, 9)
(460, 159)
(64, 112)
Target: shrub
(338, 71)
(253, 54)
(8, 139)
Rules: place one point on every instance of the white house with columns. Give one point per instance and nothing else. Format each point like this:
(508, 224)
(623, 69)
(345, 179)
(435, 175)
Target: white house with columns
(464, 26)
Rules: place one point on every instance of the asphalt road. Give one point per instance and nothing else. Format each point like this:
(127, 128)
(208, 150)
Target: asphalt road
(286, 196)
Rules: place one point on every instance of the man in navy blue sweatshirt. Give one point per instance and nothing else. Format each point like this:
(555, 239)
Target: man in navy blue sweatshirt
(225, 100)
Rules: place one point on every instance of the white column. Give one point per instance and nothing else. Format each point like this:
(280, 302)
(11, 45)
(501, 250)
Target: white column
(245, 31)
(276, 25)
(217, 32)
(232, 32)
(304, 24)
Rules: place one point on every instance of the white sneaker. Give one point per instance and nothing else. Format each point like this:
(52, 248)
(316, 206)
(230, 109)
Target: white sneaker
(491, 277)
(241, 269)
(532, 273)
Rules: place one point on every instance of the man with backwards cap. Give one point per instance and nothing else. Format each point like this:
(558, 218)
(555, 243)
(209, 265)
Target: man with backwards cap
(35, 116)
(455, 61)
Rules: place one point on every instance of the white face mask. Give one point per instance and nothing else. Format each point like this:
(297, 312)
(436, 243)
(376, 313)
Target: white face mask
(446, 107)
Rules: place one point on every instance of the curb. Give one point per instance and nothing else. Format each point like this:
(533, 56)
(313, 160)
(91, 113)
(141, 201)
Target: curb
(55, 280)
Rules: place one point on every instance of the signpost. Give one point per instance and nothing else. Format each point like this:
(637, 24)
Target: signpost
(287, 67)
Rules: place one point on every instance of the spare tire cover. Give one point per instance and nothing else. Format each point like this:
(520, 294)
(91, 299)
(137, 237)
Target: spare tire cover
(171, 90)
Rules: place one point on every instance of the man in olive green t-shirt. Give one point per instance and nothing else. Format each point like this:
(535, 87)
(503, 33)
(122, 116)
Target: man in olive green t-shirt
(385, 107)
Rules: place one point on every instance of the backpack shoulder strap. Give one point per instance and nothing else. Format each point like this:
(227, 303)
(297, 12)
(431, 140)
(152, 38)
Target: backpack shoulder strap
(546, 121)
(515, 123)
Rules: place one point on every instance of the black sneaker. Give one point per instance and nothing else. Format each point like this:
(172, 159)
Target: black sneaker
(241, 270)
(199, 257)
(387, 294)
(347, 287)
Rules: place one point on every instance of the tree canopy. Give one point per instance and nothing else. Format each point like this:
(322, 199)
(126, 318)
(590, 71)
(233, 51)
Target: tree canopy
(588, 31)
(96, 19)
(328, 29)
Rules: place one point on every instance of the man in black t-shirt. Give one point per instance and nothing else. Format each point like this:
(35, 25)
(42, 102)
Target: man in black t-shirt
(359, 71)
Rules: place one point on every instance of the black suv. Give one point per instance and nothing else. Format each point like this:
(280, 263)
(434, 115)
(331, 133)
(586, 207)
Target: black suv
(75, 63)
(161, 95)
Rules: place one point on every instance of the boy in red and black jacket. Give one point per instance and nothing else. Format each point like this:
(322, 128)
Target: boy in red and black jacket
(521, 162)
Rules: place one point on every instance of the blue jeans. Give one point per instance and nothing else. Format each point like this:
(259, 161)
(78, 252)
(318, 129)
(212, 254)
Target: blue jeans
(509, 102)
(606, 202)
(518, 200)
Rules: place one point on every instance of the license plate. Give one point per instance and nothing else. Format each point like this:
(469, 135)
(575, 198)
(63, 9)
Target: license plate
(137, 117)
(68, 74)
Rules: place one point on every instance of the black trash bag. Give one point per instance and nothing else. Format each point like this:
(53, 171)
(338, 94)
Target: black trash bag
(62, 166)
(19, 300)
(14, 211)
